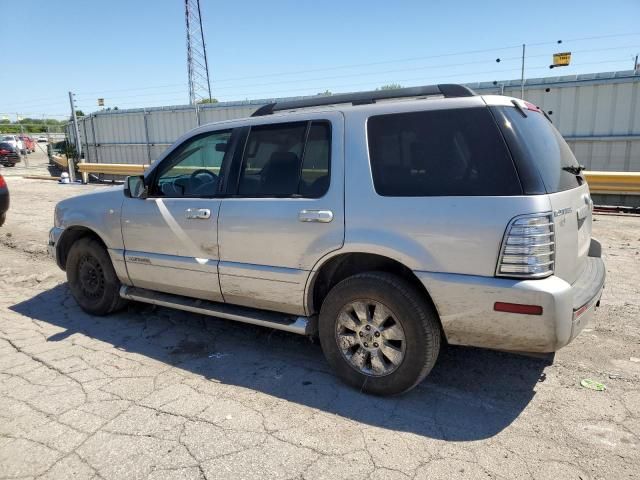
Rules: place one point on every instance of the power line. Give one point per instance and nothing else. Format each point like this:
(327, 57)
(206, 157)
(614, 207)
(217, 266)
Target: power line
(34, 103)
(266, 94)
(421, 79)
(467, 52)
(279, 74)
(380, 72)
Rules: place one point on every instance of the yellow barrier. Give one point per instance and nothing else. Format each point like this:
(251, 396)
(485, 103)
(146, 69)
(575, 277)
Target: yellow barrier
(60, 160)
(112, 168)
(615, 183)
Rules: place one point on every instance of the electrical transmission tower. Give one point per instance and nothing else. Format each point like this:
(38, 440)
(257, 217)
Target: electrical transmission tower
(199, 84)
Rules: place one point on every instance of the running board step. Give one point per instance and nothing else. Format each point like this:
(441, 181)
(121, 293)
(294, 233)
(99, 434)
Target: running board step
(263, 318)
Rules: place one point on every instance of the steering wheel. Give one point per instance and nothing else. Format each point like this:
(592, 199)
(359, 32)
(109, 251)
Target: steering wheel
(196, 184)
(195, 173)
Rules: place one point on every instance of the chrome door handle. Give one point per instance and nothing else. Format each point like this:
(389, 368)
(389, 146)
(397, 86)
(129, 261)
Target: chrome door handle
(322, 216)
(198, 213)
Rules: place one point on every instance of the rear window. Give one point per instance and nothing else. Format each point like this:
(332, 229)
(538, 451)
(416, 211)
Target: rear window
(440, 153)
(543, 146)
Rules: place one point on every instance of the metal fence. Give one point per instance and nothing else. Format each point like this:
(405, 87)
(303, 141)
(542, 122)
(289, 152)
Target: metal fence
(598, 114)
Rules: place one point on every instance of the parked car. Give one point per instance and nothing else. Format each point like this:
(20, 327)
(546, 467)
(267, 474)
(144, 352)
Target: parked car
(42, 139)
(4, 200)
(29, 144)
(8, 154)
(384, 228)
(16, 142)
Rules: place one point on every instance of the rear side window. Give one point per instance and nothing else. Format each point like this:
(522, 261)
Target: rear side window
(543, 146)
(456, 152)
(285, 160)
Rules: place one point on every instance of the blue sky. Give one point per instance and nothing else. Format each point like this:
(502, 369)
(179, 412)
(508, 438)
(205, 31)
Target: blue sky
(133, 53)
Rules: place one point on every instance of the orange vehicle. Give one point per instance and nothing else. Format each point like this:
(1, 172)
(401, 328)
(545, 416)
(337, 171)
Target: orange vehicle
(29, 143)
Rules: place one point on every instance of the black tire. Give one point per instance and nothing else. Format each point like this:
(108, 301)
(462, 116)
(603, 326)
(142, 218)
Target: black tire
(3, 218)
(92, 279)
(410, 308)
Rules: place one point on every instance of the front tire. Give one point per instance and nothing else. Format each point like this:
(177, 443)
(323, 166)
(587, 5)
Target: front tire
(92, 279)
(378, 333)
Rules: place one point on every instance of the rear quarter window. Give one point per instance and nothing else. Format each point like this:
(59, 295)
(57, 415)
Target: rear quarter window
(536, 142)
(457, 152)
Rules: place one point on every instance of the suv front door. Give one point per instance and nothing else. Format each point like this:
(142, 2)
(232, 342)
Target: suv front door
(284, 210)
(171, 237)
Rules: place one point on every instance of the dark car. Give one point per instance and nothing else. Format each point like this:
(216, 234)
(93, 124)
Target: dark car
(9, 155)
(4, 200)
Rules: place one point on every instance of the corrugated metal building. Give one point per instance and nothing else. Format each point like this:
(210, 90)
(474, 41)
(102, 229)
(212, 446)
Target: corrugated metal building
(599, 115)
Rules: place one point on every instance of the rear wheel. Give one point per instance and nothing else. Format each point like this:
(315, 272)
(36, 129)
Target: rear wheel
(379, 333)
(3, 218)
(92, 279)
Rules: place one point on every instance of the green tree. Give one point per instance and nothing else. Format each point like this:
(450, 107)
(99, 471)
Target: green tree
(390, 86)
(208, 100)
(325, 93)
(79, 113)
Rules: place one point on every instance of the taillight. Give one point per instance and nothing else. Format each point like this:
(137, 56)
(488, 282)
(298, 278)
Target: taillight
(3, 184)
(527, 247)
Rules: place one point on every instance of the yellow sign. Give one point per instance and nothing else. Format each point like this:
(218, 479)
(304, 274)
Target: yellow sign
(101, 102)
(561, 59)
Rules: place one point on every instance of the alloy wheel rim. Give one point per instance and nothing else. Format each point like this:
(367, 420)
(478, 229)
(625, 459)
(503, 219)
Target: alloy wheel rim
(370, 337)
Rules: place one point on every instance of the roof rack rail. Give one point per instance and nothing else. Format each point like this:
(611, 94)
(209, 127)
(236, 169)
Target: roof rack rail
(449, 90)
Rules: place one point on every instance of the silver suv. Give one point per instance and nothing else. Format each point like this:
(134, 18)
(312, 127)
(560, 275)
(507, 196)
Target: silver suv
(383, 222)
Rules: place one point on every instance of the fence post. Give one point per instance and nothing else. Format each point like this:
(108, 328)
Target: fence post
(76, 131)
(95, 141)
(146, 135)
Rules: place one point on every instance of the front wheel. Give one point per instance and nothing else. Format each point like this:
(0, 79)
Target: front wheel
(92, 279)
(378, 333)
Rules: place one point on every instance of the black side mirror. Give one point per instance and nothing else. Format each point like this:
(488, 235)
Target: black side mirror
(134, 187)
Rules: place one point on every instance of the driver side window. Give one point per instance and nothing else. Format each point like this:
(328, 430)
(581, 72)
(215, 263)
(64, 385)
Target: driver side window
(194, 168)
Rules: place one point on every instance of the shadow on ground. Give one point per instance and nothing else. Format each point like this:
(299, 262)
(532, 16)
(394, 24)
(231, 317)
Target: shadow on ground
(471, 394)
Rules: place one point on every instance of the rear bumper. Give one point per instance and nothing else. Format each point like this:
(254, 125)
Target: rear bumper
(465, 304)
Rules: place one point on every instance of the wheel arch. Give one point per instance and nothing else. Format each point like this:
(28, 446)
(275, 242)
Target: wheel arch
(69, 236)
(338, 267)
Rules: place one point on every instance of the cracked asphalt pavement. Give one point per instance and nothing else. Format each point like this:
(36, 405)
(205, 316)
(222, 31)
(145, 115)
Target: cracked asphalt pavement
(151, 393)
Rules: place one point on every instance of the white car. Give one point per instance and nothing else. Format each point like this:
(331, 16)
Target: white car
(42, 139)
(16, 142)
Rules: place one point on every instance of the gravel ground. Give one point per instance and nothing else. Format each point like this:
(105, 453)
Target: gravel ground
(155, 393)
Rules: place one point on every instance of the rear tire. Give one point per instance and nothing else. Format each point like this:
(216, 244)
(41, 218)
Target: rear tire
(3, 218)
(378, 333)
(92, 279)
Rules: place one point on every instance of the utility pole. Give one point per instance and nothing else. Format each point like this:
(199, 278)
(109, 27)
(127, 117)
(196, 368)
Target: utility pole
(635, 64)
(76, 131)
(522, 74)
(197, 63)
(26, 157)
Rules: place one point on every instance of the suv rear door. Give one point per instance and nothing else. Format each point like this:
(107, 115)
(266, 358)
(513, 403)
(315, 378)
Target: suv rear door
(283, 210)
(539, 149)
